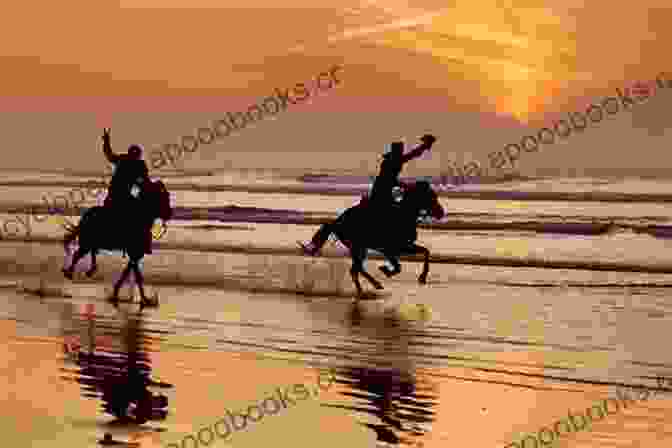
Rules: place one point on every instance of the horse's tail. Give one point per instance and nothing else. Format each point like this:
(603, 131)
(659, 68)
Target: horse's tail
(72, 232)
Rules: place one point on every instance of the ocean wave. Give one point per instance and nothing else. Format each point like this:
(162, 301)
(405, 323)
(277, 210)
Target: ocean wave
(602, 226)
(12, 265)
(337, 179)
(526, 189)
(484, 222)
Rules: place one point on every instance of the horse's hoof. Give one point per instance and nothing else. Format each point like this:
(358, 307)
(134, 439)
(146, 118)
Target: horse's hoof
(149, 303)
(67, 274)
(379, 287)
(422, 279)
(90, 273)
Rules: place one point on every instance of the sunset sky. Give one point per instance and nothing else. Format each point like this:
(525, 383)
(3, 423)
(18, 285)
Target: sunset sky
(477, 74)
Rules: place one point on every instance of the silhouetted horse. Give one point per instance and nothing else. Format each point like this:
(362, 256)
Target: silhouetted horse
(103, 228)
(392, 233)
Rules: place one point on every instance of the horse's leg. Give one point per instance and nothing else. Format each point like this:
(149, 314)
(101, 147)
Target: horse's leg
(392, 258)
(140, 281)
(81, 252)
(376, 284)
(415, 249)
(94, 265)
(344, 233)
(122, 279)
(358, 257)
(357, 265)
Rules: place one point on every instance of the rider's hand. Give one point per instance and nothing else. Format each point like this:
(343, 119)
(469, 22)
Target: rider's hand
(428, 139)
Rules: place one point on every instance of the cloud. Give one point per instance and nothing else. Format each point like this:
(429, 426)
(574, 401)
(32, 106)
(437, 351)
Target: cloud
(398, 24)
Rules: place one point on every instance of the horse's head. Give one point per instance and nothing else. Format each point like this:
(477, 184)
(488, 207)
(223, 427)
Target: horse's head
(423, 197)
(158, 199)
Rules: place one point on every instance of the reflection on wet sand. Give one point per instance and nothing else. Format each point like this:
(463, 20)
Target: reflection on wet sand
(113, 364)
(385, 384)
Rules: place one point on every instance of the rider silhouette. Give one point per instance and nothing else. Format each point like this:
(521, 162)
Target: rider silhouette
(130, 171)
(381, 199)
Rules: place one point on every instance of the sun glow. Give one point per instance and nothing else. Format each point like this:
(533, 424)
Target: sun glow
(514, 62)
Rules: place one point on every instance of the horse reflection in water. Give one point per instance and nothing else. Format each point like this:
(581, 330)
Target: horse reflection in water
(119, 376)
(386, 383)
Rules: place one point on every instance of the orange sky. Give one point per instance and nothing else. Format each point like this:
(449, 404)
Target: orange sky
(156, 69)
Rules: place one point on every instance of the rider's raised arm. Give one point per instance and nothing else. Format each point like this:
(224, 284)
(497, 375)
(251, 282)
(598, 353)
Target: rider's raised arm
(415, 153)
(107, 149)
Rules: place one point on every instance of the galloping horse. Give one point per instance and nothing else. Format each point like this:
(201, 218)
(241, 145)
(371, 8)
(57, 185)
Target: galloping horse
(393, 234)
(99, 228)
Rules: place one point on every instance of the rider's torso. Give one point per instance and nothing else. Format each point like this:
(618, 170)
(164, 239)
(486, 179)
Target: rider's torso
(387, 179)
(127, 174)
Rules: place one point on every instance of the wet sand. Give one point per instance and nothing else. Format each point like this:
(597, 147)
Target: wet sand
(476, 408)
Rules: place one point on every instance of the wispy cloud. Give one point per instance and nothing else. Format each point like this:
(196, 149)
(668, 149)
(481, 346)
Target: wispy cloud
(397, 24)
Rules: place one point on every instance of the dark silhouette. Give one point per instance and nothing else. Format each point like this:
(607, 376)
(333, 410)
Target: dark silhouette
(385, 387)
(130, 172)
(358, 232)
(390, 169)
(380, 202)
(393, 396)
(120, 374)
(98, 230)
